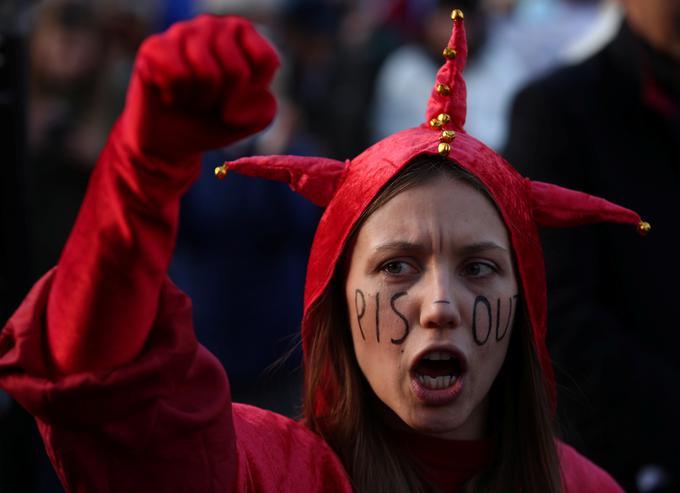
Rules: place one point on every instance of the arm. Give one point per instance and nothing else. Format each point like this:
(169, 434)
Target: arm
(203, 84)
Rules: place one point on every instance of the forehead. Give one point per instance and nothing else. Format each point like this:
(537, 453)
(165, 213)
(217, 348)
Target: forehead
(442, 210)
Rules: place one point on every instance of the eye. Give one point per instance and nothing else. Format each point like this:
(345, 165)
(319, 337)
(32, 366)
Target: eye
(398, 268)
(478, 269)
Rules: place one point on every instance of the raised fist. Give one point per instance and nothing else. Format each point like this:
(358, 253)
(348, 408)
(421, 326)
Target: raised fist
(200, 85)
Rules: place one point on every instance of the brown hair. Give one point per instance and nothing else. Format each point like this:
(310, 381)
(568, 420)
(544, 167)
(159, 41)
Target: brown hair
(525, 458)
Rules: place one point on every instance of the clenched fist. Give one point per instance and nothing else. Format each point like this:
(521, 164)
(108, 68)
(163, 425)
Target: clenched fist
(200, 85)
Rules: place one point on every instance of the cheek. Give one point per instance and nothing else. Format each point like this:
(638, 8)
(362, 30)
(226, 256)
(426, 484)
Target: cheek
(491, 319)
(492, 355)
(357, 303)
(378, 333)
(378, 317)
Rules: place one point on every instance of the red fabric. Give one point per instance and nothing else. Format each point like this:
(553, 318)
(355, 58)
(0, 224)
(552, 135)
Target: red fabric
(315, 178)
(162, 422)
(554, 206)
(203, 84)
(451, 74)
(579, 475)
(447, 464)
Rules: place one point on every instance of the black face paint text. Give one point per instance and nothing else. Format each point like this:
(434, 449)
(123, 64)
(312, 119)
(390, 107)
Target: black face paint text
(360, 306)
(483, 337)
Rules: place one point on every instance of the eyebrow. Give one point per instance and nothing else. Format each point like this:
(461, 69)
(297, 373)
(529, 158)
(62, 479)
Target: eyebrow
(481, 247)
(415, 247)
(399, 246)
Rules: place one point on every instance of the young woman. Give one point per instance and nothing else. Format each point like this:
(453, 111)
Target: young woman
(424, 317)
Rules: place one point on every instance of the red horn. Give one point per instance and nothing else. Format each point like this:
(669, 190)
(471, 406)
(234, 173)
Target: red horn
(315, 178)
(447, 106)
(554, 206)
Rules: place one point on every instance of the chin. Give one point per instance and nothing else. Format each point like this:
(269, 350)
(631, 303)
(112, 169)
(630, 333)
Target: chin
(442, 423)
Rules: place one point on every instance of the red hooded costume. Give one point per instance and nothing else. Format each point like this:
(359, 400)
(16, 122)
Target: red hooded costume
(102, 351)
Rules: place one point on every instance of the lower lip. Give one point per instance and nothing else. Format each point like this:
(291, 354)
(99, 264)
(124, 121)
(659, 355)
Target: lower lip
(436, 397)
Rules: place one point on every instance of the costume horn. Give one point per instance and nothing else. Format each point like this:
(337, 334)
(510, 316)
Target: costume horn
(554, 206)
(315, 178)
(447, 106)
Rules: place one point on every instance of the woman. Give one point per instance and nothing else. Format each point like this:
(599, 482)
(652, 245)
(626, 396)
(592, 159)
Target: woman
(430, 284)
(424, 318)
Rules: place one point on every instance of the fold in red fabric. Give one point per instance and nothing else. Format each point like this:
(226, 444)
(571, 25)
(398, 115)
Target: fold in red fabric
(162, 422)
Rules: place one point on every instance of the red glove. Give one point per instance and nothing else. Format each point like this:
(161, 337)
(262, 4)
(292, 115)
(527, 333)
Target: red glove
(202, 84)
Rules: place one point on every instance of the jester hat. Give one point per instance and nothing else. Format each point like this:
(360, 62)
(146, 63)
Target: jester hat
(345, 189)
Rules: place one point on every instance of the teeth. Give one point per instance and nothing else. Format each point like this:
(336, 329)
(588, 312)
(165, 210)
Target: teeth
(436, 383)
(438, 355)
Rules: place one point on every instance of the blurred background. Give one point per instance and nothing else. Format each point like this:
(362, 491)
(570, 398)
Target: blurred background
(353, 72)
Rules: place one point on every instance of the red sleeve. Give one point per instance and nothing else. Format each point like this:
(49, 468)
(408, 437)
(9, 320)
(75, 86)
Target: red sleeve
(202, 84)
(163, 422)
(277, 454)
(135, 403)
(579, 475)
(105, 294)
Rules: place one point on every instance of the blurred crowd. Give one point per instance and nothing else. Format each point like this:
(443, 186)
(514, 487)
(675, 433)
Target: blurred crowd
(353, 71)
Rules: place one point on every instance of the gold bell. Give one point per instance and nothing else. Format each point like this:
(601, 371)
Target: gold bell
(447, 136)
(221, 171)
(444, 118)
(449, 53)
(644, 227)
(443, 149)
(457, 15)
(443, 89)
(435, 124)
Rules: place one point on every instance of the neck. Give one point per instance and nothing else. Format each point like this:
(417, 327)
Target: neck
(474, 428)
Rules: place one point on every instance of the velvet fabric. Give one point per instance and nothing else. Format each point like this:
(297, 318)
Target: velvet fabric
(433, 457)
(162, 422)
(454, 101)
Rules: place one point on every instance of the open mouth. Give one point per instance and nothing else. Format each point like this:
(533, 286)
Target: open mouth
(438, 369)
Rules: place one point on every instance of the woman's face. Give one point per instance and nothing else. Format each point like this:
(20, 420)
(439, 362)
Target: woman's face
(432, 296)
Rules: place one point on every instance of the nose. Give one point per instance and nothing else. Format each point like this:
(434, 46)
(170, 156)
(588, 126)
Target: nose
(439, 308)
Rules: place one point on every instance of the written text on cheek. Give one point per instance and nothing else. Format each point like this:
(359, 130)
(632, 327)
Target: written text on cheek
(481, 331)
(482, 308)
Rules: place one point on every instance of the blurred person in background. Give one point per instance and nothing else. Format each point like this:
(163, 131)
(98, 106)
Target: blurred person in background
(81, 56)
(611, 125)
(510, 42)
(403, 83)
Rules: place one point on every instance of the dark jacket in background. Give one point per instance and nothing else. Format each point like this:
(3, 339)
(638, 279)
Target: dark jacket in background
(610, 126)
